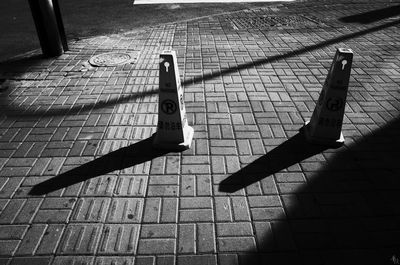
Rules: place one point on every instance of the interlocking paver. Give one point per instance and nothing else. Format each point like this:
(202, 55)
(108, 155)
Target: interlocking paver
(156, 246)
(80, 239)
(119, 239)
(84, 260)
(197, 259)
(93, 210)
(248, 90)
(32, 260)
(125, 210)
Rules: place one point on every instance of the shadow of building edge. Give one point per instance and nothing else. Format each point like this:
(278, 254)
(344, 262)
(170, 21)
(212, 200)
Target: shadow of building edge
(372, 16)
(125, 157)
(368, 170)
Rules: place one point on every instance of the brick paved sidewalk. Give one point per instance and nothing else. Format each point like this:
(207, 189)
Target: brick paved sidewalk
(251, 79)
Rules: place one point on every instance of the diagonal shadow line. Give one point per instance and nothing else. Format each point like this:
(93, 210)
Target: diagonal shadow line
(14, 111)
(120, 159)
(290, 54)
(288, 153)
(372, 16)
(22, 64)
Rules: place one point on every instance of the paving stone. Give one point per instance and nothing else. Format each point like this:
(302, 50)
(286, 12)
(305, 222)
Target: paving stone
(158, 165)
(131, 186)
(170, 189)
(158, 231)
(80, 239)
(268, 186)
(225, 259)
(197, 259)
(166, 260)
(270, 213)
(12, 231)
(105, 260)
(264, 201)
(125, 210)
(202, 185)
(20, 162)
(58, 203)
(52, 216)
(223, 209)
(9, 186)
(4, 261)
(119, 239)
(50, 239)
(247, 91)
(236, 244)
(73, 260)
(160, 210)
(187, 238)
(157, 246)
(196, 215)
(240, 209)
(31, 240)
(31, 260)
(218, 165)
(10, 211)
(145, 260)
(196, 202)
(195, 209)
(163, 180)
(90, 210)
(233, 229)
(100, 186)
(8, 247)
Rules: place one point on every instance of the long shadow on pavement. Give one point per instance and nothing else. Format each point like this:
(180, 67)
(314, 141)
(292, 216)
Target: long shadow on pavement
(17, 111)
(372, 16)
(293, 151)
(347, 212)
(13, 69)
(117, 160)
(290, 54)
(23, 65)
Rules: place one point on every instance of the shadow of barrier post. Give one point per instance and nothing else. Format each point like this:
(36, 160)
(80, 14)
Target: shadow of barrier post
(120, 159)
(293, 151)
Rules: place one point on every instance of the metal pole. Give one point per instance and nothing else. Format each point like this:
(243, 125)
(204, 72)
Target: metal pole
(60, 24)
(46, 27)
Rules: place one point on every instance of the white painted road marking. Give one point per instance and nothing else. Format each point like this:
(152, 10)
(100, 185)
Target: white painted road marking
(147, 2)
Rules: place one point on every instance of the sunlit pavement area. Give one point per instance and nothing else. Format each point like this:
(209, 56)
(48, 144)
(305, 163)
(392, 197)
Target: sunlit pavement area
(81, 184)
(147, 2)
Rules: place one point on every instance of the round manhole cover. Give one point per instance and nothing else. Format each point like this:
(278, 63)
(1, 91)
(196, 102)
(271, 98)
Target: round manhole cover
(111, 59)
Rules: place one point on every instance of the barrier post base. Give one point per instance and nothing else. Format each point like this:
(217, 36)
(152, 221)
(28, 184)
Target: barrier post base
(321, 141)
(174, 146)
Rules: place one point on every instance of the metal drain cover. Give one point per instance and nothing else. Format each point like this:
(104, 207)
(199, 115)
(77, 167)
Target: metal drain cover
(112, 58)
(268, 22)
